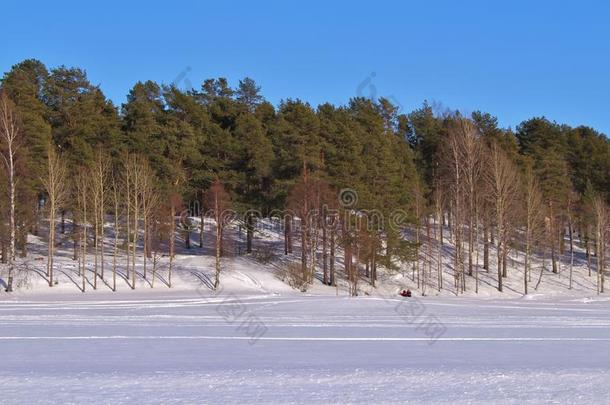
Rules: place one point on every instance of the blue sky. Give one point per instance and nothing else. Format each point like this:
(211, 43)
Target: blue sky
(514, 59)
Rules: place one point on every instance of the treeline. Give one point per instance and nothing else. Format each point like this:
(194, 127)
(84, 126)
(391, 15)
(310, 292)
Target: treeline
(70, 153)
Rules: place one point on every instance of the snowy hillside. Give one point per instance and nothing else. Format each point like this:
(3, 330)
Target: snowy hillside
(264, 271)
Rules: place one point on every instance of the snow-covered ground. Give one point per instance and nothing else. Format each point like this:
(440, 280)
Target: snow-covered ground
(259, 340)
(200, 347)
(194, 269)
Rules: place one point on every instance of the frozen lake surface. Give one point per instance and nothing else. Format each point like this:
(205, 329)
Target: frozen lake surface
(185, 348)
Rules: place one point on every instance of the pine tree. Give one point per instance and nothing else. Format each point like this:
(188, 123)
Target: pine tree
(545, 143)
(254, 168)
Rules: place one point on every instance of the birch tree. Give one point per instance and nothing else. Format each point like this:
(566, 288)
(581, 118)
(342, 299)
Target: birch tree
(473, 167)
(10, 136)
(571, 206)
(55, 184)
(601, 229)
(150, 202)
(137, 170)
(116, 204)
(218, 199)
(174, 203)
(534, 220)
(503, 189)
(419, 209)
(438, 212)
(454, 158)
(99, 192)
(82, 207)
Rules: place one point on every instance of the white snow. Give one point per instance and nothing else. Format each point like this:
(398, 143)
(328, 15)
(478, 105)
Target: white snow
(183, 347)
(259, 340)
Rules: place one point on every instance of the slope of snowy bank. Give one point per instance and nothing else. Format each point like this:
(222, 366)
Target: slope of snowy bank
(194, 271)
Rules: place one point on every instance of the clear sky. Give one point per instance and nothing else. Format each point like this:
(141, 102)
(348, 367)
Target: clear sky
(514, 59)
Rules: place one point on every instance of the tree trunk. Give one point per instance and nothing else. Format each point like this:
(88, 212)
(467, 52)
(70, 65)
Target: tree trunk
(348, 264)
(499, 267)
(428, 256)
(95, 242)
(526, 271)
(128, 223)
(471, 233)
(331, 263)
(201, 228)
(486, 247)
(172, 242)
(374, 267)
(187, 239)
(588, 252)
(136, 226)
(417, 243)
(439, 248)
(553, 258)
(218, 241)
(102, 243)
(562, 238)
(63, 222)
(249, 232)
(287, 235)
(571, 251)
(51, 242)
(304, 245)
(116, 241)
(12, 227)
(84, 243)
(146, 247)
(324, 253)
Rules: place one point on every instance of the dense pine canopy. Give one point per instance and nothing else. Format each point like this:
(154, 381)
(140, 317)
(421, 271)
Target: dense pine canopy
(259, 150)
